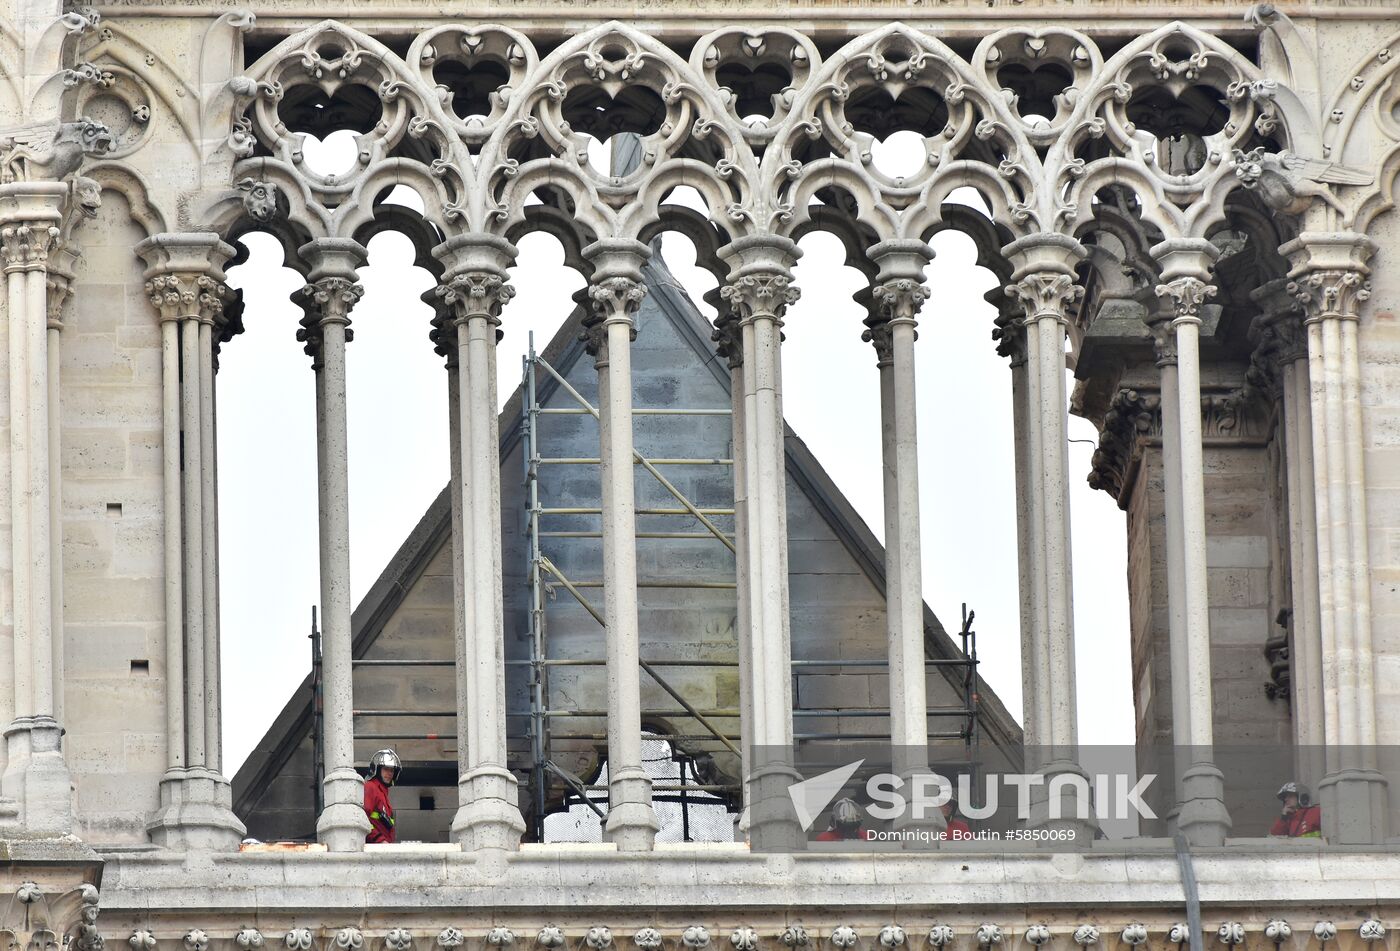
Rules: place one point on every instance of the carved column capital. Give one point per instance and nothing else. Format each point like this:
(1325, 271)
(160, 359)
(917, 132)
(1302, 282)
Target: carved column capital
(1045, 295)
(185, 275)
(31, 220)
(330, 291)
(1132, 415)
(59, 282)
(899, 290)
(25, 245)
(881, 336)
(475, 284)
(760, 276)
(611, 301)
(327, 301)
(186, 295)
(761, 295)
(876, 331)
(1188, 295)
(1330, 276)
(615, 289)
(900, 299)
(1042, 278)
(1331, 293)
(481, 294)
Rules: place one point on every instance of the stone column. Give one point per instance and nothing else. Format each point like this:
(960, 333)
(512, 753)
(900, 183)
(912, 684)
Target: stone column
(899, 293)
(36, 775)
(615, 291)
(1164, 348)
(1283, 344)
(444, 338)
(1329, 277)
(62, 263)
(729, 343)
(1012, 343)
(1201, 814)
(475, 290)
(327, 299)
(185, 283)
(759, 291)
(1043, 281)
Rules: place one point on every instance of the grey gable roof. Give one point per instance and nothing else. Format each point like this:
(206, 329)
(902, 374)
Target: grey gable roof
(433, 530)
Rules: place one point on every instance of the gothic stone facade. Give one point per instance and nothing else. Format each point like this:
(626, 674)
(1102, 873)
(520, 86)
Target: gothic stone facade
(1191, 206)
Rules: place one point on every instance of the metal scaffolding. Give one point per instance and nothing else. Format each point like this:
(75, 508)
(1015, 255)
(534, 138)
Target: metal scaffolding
(543, 573)
(544, 724)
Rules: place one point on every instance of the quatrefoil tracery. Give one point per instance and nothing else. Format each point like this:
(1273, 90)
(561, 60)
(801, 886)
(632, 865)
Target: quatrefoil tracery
(762, 126)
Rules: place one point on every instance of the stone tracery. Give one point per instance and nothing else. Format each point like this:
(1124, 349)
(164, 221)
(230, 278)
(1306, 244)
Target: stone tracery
(776, 133)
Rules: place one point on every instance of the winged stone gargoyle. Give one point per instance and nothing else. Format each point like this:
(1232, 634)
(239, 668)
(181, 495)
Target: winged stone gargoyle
(1288, 183)
(51, 151)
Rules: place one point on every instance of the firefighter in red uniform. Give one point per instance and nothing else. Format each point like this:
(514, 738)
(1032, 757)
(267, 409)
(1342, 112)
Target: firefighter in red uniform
(845, 822)
(957, 829)
(384, 772)
(1300, 819)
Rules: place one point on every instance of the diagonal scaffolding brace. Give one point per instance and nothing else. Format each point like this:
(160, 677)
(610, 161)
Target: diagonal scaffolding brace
(643, 461)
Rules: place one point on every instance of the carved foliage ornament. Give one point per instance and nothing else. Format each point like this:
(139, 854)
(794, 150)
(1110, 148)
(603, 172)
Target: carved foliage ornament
(901, 299)
(1135, 934)
(761, 296)
(26, 245)
(476, 295)
(1331, 293)
(1045, 295)
(180, 296)
(1188, 295)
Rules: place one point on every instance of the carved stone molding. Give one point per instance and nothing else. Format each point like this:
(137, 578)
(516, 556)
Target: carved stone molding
(25, 245)
(329, 300)
(38, 918)
(1046, 294)
(761, 294)
(475, 294)
(181, 296)
(1188, 296)
(1332, 293)
(1330, 276)
(1133, 422)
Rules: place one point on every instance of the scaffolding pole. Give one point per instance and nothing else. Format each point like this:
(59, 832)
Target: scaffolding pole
(544, 576)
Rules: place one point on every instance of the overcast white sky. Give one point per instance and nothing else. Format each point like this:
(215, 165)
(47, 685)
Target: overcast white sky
(398, 455)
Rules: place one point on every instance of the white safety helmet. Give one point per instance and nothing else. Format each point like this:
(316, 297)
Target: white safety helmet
(1294, 789)
(385, 758)
(845, 812)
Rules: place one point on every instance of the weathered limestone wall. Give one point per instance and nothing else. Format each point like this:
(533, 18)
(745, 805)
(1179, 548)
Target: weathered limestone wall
(1241, 506)
(113, 536)
(1379, 342)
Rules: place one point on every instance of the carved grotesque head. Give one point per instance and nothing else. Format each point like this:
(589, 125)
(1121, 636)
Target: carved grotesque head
(93, 137)
(87, 195)
(262, 200)
(1249, 167)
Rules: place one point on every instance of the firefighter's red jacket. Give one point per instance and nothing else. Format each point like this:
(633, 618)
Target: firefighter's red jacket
(380, 811)
(1305, 821)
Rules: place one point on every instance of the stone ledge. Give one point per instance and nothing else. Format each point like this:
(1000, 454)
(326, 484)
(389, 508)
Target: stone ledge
(545, 882)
